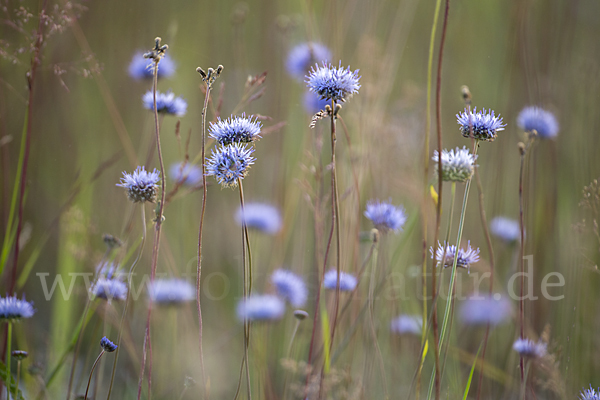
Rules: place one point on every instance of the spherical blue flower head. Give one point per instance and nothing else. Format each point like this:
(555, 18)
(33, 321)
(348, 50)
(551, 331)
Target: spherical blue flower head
(190, 174)
(262, 217)
(465, 257)
(530, 349)
(109, 289)
(485, 124)
(143, 68)
(303, 56)
(542, 121)
(171, 292)
(141, 185)
(290, 286)
(230, 163)
(13, 309)
(506, 229)
(165, 103)
(407, 324)
(108, 270)
(385, 216)
(260, 308)
(107, 345)
(485, 310)
(235, 130)
(313, 103)
(456, 166)
(331, 83)
(590, 394)
(347, 282)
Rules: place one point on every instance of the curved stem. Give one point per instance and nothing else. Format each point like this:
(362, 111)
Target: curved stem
(8, 356)
(521, 262)
(199, 258)
(129, 277)
(247, 286)
(91, 372)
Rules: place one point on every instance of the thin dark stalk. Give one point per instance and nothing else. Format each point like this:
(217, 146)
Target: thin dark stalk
(523, 151)
(438, 213)
(199, 261)
(125, 307)
(76, 354)
(335, 220)
(158, 225)
(91, 372)
(35, 62)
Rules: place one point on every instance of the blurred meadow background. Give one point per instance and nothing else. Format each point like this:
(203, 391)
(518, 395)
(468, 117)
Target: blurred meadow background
(88, 124)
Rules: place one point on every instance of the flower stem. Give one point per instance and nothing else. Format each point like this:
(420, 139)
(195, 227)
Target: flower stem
(91, 372)
(201, 225)
(129, 277)
(8, 356)
(18, 379)
(523, 151)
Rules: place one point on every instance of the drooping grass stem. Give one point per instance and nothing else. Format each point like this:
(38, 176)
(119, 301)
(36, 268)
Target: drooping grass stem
(91, 372)
(125, 307)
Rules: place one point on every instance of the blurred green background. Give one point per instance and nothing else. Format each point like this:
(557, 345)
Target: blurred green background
(85, 107)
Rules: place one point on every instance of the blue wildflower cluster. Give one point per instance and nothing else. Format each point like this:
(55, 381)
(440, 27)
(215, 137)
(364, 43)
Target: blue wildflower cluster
(188, 174)
(143, 68)
(485, 310)
(385, 216)
(506, 229)
(530, 349)
(141, 185)
(484, 124)
(12, 309)
(457, 166)
(407, 324)
(171, 292)
(166, 103)
(230, 163)
(466, 257)
(348, 282)
(235, 130)
(107, 345)
(539, 120)
(290, 286)
(333, 83)
(262, 217)
(590, 394)
(109, 289)
(303, 56)
(257, 307)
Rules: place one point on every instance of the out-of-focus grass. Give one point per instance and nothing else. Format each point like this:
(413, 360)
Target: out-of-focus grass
(510, 54)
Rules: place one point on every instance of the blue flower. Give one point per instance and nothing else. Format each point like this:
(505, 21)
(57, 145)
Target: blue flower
(109, 289)
(260, 308)
(235, 130)
(190, 174)
(506, 229)
(171, 291)
(535, 118)
(263, 217)
(143, 68)
(290, 286)
(230, 163)
(13, 309)
(465, 257)
(456, 166)
(331, 83)
(407, 324)
(107, 345)
(347, 282)
(530, 349)
(485, 124)
(589, 394)
(108, 270)
(303, 56)
(485, 310)
(141, 185)
(385, 216)
(313, 103)
(165, 103)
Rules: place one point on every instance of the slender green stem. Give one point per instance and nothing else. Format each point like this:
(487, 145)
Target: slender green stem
(247, 286)
(200, 228)
(524, 382)
(335, 215)
(371, 312)
(18, 379)
(523, 151)
(8, 356)
(289, 349)
(125, 307)
(91, 372)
